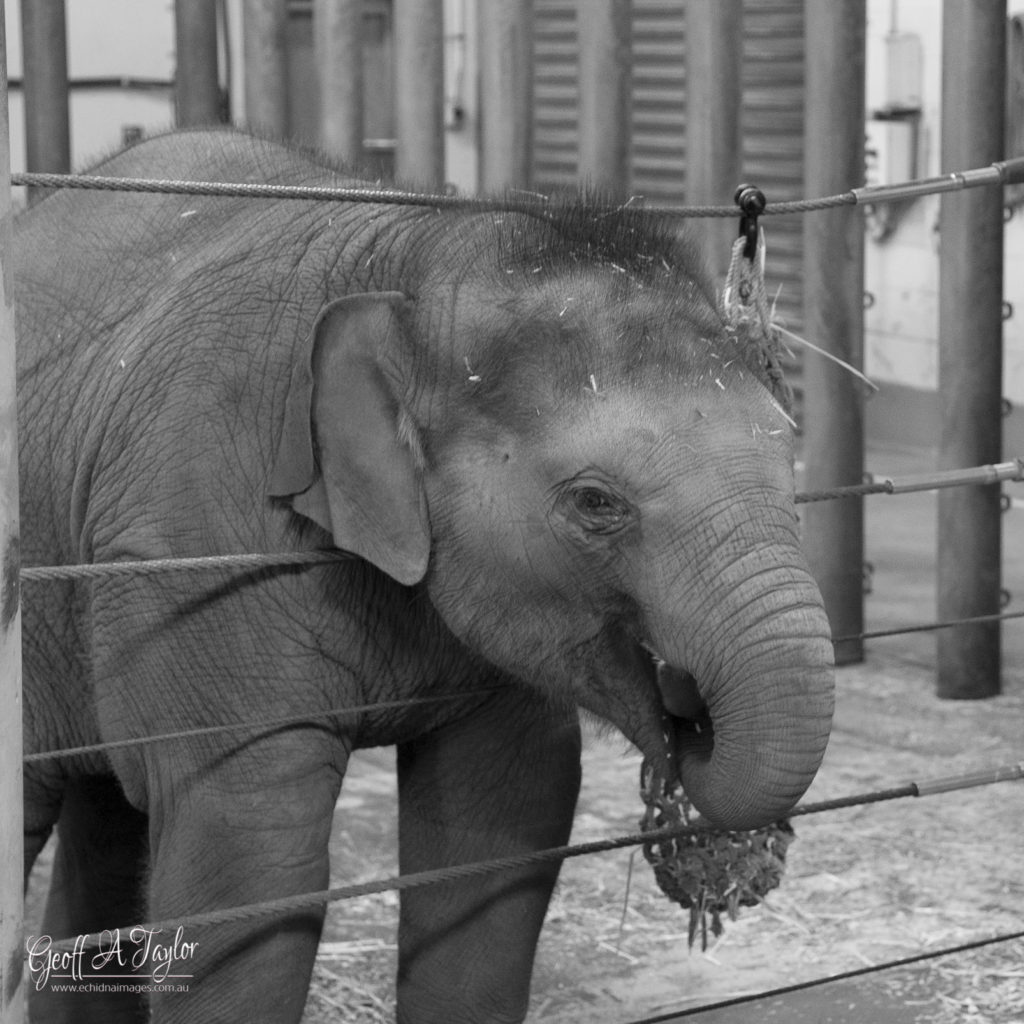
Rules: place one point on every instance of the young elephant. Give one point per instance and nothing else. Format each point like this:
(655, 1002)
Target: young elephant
(567, 483)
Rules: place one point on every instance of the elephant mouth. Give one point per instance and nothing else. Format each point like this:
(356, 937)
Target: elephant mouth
(685, 719)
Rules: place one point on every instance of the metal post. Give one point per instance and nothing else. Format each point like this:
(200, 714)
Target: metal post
(337, 47)
(196, 82)
(834, 310)
(970, 345)
(605, 95)
(45, 62)
(506, 93)
(264, 30)
(12, 993)
(419, 90)
(714, 145)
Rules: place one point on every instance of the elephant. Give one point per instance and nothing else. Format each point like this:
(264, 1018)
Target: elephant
(566, 485)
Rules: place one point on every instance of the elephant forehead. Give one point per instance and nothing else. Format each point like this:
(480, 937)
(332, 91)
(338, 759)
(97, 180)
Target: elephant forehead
(636, 432)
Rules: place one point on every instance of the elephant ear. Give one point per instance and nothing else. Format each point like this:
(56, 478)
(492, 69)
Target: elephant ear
(346, 459)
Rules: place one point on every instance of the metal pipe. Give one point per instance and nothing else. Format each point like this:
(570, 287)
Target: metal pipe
(714, 76)
(419, 91)
(506, 93)
(264, 33)
(12, 991)
(971, 347)
(605, 95)
(833, 312)
(45, 61)
(196, 81)
(337, 48)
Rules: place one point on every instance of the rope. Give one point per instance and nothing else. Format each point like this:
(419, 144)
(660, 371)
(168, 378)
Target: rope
(265, 723)
(974, 475)
(1002, 172)
(928, 627)
(249, 190)
(269, 723)
(435, 876)
(852, 491)
(987, 474)
(156, 566)
(307, 716)
(856, 972)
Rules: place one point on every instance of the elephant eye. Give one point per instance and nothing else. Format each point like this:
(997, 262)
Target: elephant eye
(599, 510)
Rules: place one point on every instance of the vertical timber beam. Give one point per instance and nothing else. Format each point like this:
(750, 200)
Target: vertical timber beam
(264, 34)
(419, 91)
(196, 82)
(338, 51)
(12, 992)
(971, 346)
(506, 93)
(45, 62)
(714, 145)
(834, 311)
(605, 95)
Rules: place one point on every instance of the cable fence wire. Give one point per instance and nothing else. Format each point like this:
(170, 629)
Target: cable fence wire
(976, 475)
(857, 972)
(1002, 172)
(437, 876)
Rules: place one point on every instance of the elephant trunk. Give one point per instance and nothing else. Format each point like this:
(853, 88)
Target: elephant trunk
(765, 678)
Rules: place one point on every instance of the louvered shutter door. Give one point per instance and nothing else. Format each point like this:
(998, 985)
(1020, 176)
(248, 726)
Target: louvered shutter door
(773, 136)
(773, 78)
(659, 101)
(556, 137)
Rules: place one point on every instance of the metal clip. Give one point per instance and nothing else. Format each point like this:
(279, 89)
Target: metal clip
(751, 201)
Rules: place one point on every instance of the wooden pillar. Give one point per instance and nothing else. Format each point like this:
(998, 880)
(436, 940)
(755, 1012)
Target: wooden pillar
(337, 45)
(714, 144)
(506, 93)
(971, 345)
(264, 32)
(12, 988)
(196, 82)
(45, 62)
(834, 311)
(605, 95)
(419, 91)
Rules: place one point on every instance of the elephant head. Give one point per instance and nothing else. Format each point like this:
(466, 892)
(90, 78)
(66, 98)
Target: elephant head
(589, 473)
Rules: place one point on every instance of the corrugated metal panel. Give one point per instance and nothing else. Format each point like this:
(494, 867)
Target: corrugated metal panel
(773, 136)
(659, 100)
(556, 95)
(773, 113)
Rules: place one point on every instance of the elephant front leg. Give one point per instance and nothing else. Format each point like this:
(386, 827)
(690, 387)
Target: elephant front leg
(222, 846)
(501, 783)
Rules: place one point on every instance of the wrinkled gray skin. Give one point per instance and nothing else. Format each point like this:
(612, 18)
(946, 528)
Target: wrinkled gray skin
(556, 466)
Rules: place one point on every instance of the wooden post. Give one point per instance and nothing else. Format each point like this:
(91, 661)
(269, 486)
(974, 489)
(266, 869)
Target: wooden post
(605, 95)
(419, 91)
(196, 82)
(45, 76)
(971, 345)
(714, 144)
(12, 990)
(834, 311)
(337, 46)
(506, 93)
(264, 29)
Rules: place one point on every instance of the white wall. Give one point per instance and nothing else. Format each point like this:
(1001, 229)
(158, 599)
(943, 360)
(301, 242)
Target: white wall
(106, 39)
(902, 269)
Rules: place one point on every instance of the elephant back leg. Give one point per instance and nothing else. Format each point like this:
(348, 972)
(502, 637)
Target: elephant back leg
(96, 884)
